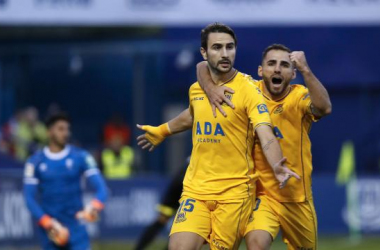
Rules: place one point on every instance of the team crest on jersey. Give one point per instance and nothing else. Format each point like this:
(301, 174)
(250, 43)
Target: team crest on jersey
(278, 109)
(181, 217)
(258, 90)
(90, 161)
(69, 163)
(229, 97)
(29, 170)
(262, 108)
(43, 167)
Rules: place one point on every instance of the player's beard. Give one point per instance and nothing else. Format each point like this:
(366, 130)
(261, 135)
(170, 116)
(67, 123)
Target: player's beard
(275, 93)
(216, 70)
(61, 143)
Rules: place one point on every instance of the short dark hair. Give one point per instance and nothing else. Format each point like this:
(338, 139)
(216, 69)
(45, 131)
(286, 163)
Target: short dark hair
(53, 119)
(275, 46)
(216, 28)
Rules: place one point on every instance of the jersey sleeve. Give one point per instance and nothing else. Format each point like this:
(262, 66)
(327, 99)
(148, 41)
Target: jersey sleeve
(30, 190)
(94, 177)
(255, 105)
(90, 167)
(30, 172)
(305, 104)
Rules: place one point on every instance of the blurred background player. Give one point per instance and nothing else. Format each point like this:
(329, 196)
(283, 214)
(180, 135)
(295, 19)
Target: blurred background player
(166, 209)
(55, 174)
(292, 108)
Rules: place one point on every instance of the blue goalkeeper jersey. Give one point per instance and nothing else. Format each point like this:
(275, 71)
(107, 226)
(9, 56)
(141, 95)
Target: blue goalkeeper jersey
(57, 178)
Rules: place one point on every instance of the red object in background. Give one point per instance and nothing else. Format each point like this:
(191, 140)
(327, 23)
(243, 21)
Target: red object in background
(6, 142)
(119, 130)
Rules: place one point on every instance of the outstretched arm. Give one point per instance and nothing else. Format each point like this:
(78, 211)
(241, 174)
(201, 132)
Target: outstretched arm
(273, 153)
(182, 122)
(215, 94)
(320, 100)
(155, 135)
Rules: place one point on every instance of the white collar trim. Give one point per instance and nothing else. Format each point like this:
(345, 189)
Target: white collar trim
(56, 156)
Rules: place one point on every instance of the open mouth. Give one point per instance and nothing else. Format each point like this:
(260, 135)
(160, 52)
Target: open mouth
(276, 80)
(224, 63)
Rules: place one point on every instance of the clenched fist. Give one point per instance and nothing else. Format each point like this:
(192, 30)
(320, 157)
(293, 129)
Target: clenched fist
(299, 60)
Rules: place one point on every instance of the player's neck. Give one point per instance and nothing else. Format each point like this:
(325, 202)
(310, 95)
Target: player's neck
(221, 78)
(55, 148)
(276, 97)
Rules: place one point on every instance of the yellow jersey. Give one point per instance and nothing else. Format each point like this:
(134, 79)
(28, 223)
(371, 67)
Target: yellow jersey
(221, 165)
(292, 119)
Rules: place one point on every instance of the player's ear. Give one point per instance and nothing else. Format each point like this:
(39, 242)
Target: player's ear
(294, 74)
(203, 53)
(260, 71)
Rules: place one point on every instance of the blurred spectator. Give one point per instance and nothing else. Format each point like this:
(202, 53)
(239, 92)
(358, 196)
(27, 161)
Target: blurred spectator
(30, 134)
(117, 127)
(9, 132)
(3, 144)
(117, 158)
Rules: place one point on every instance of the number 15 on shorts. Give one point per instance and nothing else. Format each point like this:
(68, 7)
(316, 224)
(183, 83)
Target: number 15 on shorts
(185, 206)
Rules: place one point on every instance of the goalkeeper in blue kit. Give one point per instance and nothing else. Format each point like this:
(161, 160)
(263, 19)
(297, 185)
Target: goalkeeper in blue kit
(54, 174)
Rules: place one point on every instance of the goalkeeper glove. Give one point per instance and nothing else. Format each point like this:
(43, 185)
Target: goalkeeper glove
(91, 212)
(56, 231)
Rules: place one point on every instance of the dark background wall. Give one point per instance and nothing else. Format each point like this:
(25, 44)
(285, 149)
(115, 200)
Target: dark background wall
(140, 77)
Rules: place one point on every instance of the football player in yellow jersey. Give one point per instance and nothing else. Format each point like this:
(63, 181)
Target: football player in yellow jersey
(292, 108)
(217, 198)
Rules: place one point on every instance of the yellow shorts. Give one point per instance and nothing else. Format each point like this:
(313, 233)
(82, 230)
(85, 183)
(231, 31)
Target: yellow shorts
(220, 223)
(297, 220)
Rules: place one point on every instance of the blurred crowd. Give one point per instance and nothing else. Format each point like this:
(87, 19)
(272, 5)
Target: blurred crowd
(24, 133)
